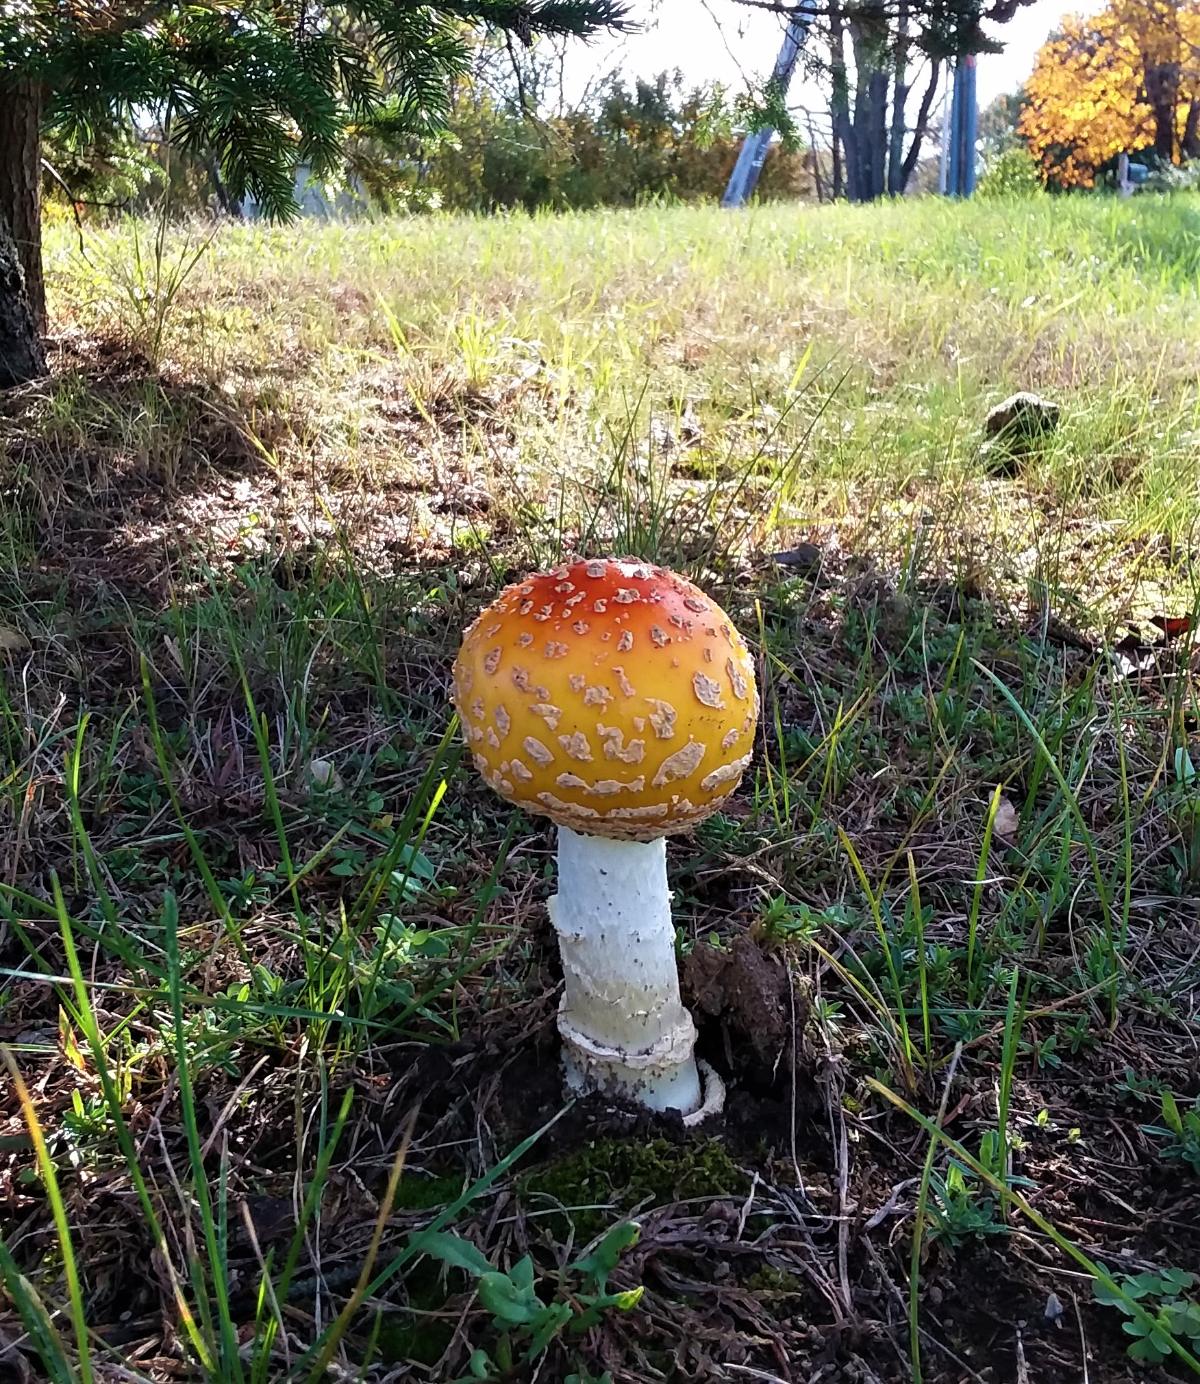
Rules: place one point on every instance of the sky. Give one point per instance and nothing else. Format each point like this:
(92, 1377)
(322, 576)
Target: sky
(718, 40)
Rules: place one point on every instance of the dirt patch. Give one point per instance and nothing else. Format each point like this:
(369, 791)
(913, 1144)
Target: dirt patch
(749, 994)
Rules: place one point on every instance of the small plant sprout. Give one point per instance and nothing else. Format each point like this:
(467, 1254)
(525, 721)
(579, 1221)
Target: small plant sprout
(618, 700)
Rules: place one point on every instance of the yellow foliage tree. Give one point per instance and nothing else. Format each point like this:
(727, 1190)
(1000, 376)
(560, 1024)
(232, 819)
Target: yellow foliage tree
(1125, 79)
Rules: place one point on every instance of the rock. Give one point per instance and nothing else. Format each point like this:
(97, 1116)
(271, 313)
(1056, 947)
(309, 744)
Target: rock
(1013, 428)
(805, 558)
(323, 775)
(1003, 456)
(1026, 415)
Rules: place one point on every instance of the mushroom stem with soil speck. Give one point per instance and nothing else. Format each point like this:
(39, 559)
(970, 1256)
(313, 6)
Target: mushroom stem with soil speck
(618, 700)
(623, 1024)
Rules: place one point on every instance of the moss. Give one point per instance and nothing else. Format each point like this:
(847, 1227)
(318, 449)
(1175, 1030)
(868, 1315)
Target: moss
(417, 1335)
(623, 1173)
(423, 1193)
(772, 1282)
(419, 1340)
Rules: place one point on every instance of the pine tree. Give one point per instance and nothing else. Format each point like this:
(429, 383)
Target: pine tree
(259, 87)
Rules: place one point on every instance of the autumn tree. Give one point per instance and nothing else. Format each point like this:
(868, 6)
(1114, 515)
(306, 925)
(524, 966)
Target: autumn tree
(257, 87)
(1123, 80)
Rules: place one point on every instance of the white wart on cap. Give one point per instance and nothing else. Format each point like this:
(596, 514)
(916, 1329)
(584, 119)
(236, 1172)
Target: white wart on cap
(614, 697)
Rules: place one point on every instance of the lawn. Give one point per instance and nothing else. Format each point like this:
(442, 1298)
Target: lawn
(276, 975)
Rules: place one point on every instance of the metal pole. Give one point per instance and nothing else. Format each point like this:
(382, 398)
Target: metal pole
(947, 122)
(753, 153)
(964, 129)
(953, 121)
(970, 125)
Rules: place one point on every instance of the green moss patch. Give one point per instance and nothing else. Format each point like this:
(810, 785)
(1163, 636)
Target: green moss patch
(622, 1174)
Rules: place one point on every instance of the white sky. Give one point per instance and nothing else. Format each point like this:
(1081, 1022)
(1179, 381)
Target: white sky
(718, 40)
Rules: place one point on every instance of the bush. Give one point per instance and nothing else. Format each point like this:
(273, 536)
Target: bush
(1012, 173)
(656, 141)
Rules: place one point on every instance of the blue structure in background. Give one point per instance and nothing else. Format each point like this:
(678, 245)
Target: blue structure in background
(753, 153)
(958, 171)
(964, 124)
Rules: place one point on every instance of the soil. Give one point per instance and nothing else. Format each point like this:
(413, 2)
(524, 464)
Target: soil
(792, 1259)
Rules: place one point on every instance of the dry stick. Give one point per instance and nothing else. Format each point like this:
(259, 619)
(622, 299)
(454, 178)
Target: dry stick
(795, 1063)
(1083, 1345)
(837, 1127)
(881, 1269)
(751, 1373)
(228, 1107)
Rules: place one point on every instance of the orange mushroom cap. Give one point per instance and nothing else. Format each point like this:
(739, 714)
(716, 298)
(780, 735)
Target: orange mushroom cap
(614, 697)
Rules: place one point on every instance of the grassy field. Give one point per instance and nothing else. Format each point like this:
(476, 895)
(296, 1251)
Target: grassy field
(276, 976)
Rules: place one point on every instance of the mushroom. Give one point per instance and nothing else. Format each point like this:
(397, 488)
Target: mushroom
(618, 700)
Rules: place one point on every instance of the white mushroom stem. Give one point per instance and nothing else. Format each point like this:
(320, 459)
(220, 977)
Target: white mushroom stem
(623, 1024)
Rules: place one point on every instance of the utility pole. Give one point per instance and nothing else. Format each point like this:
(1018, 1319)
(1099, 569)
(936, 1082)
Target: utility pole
(753, 153)
(963, 129)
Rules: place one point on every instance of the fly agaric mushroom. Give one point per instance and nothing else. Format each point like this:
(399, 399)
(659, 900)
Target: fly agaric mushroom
(618, 700)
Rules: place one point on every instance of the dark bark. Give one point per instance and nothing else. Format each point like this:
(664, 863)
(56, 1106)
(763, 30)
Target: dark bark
(228, 205)
(835, 158)
(21, 356)
(922, 126)
(22, 291)
(858, 165)
(877, 89)
(1190, 144)
(839, 108)
(895, 179)
(867, 173)
(1161, 83)
(21, 185)
(818, 181)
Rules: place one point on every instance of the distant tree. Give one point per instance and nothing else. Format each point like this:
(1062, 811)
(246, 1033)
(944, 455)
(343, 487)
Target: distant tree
(259, 87)
(1011, 173)
(883, 61)
(1123, 80)
(998, 125)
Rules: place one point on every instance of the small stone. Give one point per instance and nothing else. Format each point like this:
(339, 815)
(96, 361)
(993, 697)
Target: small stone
(1025, 414)
(804, 557)
(323, 774)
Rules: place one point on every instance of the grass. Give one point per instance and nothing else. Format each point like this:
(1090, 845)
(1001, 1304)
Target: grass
(274, 967)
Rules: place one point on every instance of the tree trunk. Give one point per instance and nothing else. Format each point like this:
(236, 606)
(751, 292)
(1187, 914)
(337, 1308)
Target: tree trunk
(878, 88)
(21, 356)
(859, 169)
(818, 183)
(1190, 145)
(227, 204)
(21, 186)
(895, 177)
(845, 175)
(1161, 84)
(835, 157)
(922, 126)
(870, 111)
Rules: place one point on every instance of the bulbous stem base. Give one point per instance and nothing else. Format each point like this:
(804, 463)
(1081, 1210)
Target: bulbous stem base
(624, 1027)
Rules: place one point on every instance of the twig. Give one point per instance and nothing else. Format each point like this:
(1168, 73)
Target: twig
(1083, 1346)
